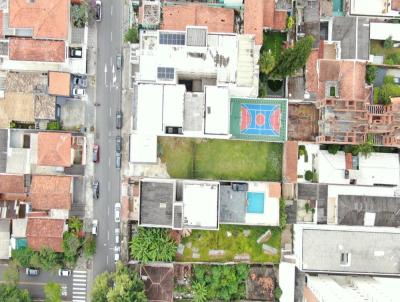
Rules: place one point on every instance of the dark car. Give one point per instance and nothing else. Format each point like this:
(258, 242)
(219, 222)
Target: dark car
(75, 52)
(119, 120)
(98, 10)
(118, 143)
(119, 61)
(96, 189)
(32, 271)
(80, 81)
(96, 155)
(118, 160)
(240, 186)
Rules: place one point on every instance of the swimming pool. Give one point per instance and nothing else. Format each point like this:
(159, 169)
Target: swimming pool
(255, 202)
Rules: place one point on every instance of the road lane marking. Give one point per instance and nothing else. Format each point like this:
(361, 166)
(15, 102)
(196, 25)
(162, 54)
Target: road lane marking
(108, 235)
(109, 162)
(109, 185)
(107, 259)
(110, 111)
(111, 37)
(112, 7)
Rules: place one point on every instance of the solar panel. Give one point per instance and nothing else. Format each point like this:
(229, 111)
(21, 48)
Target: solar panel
(165, 73)
(172, 38)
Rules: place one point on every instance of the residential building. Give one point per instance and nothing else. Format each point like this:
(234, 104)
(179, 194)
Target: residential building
(39, 36)
(5, 251)
(45, 233)
(194, 204)
(375, 8)
(356, 250)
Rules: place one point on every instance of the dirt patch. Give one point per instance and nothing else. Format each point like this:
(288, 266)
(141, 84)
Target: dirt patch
(302, 122)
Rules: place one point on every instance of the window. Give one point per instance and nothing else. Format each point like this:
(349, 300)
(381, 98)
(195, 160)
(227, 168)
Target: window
(345, 259)
(165, 73)
(172, 38)
(332, 91)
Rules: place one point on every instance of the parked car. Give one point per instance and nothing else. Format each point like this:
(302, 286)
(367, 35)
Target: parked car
(98, 10)
(118, 160)
(80, 81)
(116, 235)
(32, 271)
(118, 143)
(116, 257)
(240, 186)
(96, 154)
(118, 61)
(96, 189)
(63, 272)
(75, 52)
(117, 249)
(119, 120)
(95, 225)
(78, 92)
(117, 209)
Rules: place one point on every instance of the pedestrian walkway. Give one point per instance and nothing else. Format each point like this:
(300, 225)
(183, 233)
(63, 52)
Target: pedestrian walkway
(79, 286)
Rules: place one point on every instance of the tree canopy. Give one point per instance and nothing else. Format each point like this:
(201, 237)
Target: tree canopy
(11, 293)
(292, 59)
(152, 244)
(52, 292)
(122, 286)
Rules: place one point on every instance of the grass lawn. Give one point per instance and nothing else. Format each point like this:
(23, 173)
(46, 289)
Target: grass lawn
(391, 55)
(236, 244)
(274, 41)
(221, 159)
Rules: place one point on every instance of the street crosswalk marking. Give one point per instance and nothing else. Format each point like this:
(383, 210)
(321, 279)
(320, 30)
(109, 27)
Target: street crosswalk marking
(79, 286)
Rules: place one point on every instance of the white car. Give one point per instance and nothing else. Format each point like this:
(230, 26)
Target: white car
(117, 210)
(116, 257)
(78, 92)
(116, 235)
(95, 225)
(63, 272)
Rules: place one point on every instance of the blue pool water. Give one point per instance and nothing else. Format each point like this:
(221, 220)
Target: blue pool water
(255, 202)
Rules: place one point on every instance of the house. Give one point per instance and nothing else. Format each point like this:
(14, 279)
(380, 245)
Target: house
(5, 252)
(344, 168)
(195, 204)
(348, 250)
(59, 83)
(158, 281)
(45, 233)
(375, 8)
(48, 153)
(39, 36)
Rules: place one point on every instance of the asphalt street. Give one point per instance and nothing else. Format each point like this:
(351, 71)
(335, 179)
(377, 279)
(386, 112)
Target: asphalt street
(108, 95)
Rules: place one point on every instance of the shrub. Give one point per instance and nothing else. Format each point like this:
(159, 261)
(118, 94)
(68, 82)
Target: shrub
(307, 207)
(89, 247)
(132, 35)
(289, 23)
(392, 59)
(309, 175)
(282, 213)
(333, 149)
(278, 293)
(52, 291)
(371, 74)
(80, 14)
(54, 125)
(200, 292)
(22, 257)
(388, 43)
(366, 148)
(152, 244)
(266, 62)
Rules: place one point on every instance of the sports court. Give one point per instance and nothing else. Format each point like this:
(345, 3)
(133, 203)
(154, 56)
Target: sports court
(259, 119)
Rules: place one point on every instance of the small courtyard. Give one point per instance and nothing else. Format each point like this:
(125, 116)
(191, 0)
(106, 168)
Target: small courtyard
(233, 243)
(221, 159)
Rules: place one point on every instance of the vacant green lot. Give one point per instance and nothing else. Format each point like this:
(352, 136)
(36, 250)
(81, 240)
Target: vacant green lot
(221, 159)
(236, 244)
(391, 55)
(273, 41)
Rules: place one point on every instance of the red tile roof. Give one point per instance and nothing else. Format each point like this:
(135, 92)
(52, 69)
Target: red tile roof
(45, 232)
(280, 18)
(268, 11)
(177, 17)
(349, 161)
(54, 149)
(11, 183)
(349, 74)
(254, 19)
(274, 189)
(396, 5)
(290, 162)
(48, 19)
(51, 192)
(311, 72)
(22, 49)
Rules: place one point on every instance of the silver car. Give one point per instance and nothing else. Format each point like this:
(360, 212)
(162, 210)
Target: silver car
(117, 210)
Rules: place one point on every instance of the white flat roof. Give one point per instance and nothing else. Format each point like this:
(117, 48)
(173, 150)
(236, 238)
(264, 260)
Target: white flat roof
(217, 110)
(143, 148)
(174, 97)
(287, 276)
(374, 8)
(149, 109)
(200, 204)
(382, 31)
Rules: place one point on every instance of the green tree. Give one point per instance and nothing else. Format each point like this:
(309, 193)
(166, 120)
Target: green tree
(388, 43)
(370, 75)
(11, 274)
(71, 244)
(392, 59)
(333, 149)
(22, 257)
(292, 59)
(89, 247)
(309, 175)
(54, 125)
(266, 62)
(52, 292)
(282, 213)
(366, 148)
(75, 225)
(122, 286)
(79, 14)
(127, 286)
(152, 244)
(11, 293)
(223, 282)
(132, 35)
(200, 292)
(49, 259)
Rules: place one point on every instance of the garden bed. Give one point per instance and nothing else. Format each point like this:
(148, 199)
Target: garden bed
(221, 159)
(234, 241)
